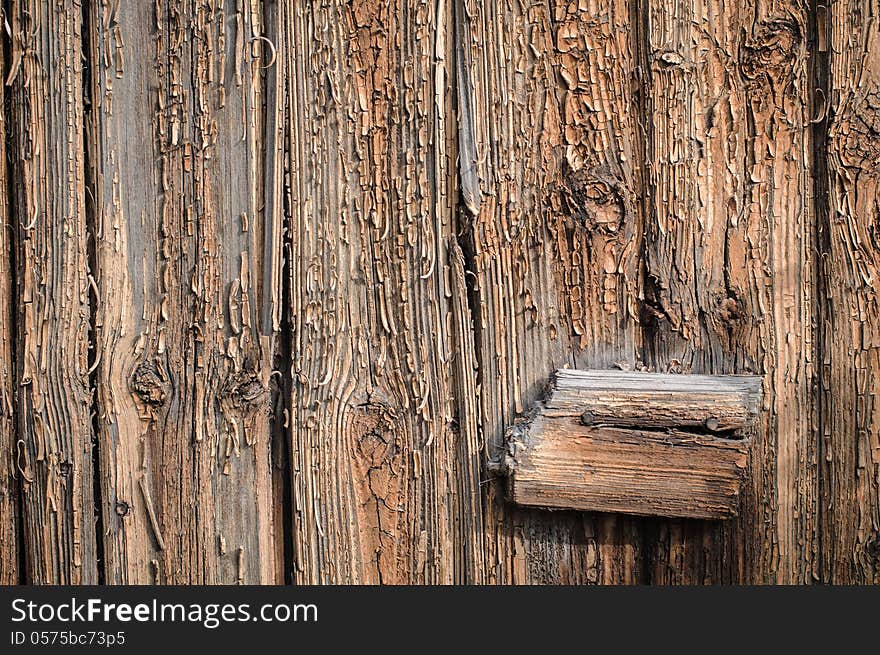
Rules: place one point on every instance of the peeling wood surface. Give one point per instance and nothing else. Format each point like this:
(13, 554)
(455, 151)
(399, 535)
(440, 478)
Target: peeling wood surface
(9, 476)
(184, 369)
(54, 296)
(555, 244)
(850, 444)
(385, 457)
(729, 257)
(276, 277)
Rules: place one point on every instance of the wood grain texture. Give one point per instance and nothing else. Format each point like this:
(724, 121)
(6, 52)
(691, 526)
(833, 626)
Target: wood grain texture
(730, 262)
(548, 169)
(9, 475)
(851, 346)
(54, 436)
(635, 443)
(385, 455)
(178, 164)
(712, 403)
(555, 462)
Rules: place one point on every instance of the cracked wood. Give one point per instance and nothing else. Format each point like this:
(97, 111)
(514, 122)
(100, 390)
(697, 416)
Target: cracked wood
(177, 164)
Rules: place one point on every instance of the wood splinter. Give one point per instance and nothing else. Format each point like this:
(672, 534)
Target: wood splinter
(637, 443)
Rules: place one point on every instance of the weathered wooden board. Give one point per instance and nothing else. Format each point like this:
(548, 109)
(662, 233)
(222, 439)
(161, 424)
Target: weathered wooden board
(548, 122)
(177, 161)
(635, 443)
(385, 455)
(9, 476)
(730, 261)
(850, 445)
(53, 294)
(555, 462)
(714, 403)
(470, 195)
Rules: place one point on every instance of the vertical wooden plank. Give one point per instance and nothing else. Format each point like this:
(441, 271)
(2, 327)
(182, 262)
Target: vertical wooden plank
(181, 250)
(53, 396)
(851, 345)
(385, 461)
(548, 165)
(9, 476)
(730, 263)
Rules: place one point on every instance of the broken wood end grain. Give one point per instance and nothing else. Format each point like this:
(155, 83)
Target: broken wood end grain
(635, 443)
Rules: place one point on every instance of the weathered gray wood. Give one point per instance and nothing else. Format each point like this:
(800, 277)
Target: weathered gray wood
(187, 273)
(717, 403)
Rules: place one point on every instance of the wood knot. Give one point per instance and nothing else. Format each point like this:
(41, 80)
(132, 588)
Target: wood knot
(149, 384)
(730, 310)
(872, 549)
(65, 468)
(372, 426)
(243, 390)
(670, 59)
(675, 367)
(122, 508)
(858, 135)
(767, 57)
(594, 201)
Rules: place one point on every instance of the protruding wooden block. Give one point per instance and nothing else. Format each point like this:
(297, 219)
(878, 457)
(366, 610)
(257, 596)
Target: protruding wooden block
(636, 443)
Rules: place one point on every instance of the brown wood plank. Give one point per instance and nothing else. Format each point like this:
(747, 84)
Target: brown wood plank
(182, 250)
(851, 346)
(54, 433)
(9, 475)
(385, 457)
(555, 462)
(730, 262)
(549, 149)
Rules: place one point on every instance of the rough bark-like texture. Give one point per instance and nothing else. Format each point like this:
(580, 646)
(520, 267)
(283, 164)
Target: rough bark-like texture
(182, 254)
(547, 165)
(9, 476)
(851, 344)
(710, 403)
(54, 437)
(730, 260)
(385, 458)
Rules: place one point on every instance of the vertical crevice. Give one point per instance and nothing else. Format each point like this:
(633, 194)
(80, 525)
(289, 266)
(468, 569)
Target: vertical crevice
(13, 226)
(91, 218)
(649, 298)
(820, 73)
(468, 203)
(276, 290)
